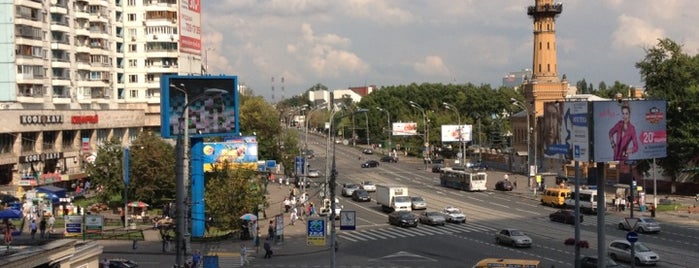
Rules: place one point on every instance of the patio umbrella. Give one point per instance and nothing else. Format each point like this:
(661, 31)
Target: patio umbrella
(248, 217)
(10, 214)
(138, 204)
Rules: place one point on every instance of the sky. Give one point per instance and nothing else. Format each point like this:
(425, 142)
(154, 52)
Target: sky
(351, 43)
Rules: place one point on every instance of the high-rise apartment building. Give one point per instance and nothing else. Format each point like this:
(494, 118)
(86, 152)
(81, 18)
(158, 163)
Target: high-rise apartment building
(74, 74)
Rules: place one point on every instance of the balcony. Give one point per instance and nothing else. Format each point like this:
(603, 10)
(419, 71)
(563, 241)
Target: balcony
(546, 10)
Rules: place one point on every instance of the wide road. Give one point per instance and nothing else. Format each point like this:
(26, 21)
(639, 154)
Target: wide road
(375, 243)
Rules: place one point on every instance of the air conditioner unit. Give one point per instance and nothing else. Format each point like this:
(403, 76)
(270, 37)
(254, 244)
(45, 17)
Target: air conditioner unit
(144, 23)
(155, 37)
(133, 38)
(172, 37)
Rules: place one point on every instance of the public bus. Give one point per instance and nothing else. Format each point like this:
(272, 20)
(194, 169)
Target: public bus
(497, 262)
(463, 179)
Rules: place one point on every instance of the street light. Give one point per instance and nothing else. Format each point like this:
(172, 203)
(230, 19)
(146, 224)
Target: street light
(424, 122)
(389, 129)
(305, 146)
(461, 128)
(180, 193)
(529, 139)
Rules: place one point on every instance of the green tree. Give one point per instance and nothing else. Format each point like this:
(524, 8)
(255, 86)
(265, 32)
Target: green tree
(262, 119)
(152, 169)
(672, 75)
(106, 171)
(230, 193)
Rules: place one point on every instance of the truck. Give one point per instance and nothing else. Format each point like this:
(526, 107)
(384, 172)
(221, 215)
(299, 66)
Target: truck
(393, 198)
(325, 208)
(588, 200)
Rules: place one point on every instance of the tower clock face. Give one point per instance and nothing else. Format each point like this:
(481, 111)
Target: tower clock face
(348, 219)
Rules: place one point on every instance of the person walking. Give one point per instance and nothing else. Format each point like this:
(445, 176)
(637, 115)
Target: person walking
(42, 228)
(243, 254)
(293, 216)
(196, 258)
(268, 249)
(51, 222)
(270, 230)
(32, 228)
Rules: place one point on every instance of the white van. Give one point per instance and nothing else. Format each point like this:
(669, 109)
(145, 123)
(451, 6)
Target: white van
(588, 200)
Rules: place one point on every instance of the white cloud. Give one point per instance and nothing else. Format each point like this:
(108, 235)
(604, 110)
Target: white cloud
(635, 33)
(432, 66)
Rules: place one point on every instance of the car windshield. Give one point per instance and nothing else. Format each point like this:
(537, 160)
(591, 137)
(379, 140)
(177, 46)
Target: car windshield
(641, 247)
(648, 220)
(516, 233)
(402, 199)
(417, 199)
(433, 214)
(368, 183)
(453, 210)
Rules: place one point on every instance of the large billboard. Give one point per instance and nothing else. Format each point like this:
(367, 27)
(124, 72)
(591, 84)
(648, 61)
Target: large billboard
(566, 131)
(404, 129)
(190, 26)
(451, 133)
(211, 112)
(236, 152)
(629, 130)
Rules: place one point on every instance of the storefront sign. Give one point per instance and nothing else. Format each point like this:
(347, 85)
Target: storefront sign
(84, 119)
(39, 119)
(40, 157)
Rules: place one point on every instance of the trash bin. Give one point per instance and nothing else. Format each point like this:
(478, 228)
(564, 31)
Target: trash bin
(642, 208)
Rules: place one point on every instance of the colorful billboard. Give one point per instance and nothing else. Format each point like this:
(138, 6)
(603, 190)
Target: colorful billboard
(451, 133)
(211, 111)
(404, 129)
(566, 132)
(190, 26)
(629, 130)
(237, 152)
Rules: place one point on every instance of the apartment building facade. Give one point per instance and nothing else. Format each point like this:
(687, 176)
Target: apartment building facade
(74, 74)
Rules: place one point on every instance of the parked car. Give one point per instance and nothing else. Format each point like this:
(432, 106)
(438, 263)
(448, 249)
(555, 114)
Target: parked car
(368, 151)
(370, 163)
(564, 216)
(402, 219)
(389, 159)
(313, 173)
(361, 195)
(122, 263)
(504, 185)
(644, 225)
(437, 168)
(349, 188)
(513, 237)
(310, 154)
(368, 186)
(454, 215)
(591, 262)
(417, 203)
(298, 181)
(432, 218)
(620, 250)
(6, 199)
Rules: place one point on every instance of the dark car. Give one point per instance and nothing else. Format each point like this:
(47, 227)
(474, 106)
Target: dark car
(361, 195)
(437, 168)
(370, 163)
(6, 199)
(389, 159)
(402, 219)
(564, 216)
(368, 151)
(504, 186)
(591, 262)
(122, 263)
(428, 160)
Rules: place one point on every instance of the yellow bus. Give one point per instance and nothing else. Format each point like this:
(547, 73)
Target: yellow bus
(507, 263)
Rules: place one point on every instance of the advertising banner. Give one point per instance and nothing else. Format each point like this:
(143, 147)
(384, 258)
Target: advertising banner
(315, 232)
(237, 152)
(404, 129)
(566, 130)
(190, 26)
(94, 224)
(73, 225)
(629, 130)
(451, 133)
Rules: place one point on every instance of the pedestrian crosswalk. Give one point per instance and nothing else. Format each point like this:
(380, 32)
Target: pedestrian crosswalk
(393, 232)
(224, 257)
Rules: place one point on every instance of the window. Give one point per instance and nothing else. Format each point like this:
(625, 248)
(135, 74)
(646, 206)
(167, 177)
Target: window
(68, 138)
(132, 63)
(133, 93)
(132, 48)
(102, 136)
(49, 142)
(28, 142)
(133, 78)
(6, 142)
(131, 17)
(131, 3)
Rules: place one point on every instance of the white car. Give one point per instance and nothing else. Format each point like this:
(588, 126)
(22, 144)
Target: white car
(348, 189)
(644, 225)
(368, 186)
(620, 250)
(313, 173)
(454, 215)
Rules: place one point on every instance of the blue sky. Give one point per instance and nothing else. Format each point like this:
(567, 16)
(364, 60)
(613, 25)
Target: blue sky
(371, 42)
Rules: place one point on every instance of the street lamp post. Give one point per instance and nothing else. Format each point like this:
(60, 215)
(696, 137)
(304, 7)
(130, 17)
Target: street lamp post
(389, 130)
(462, 145)
(180, 193)
(529, 139)
(424, 122)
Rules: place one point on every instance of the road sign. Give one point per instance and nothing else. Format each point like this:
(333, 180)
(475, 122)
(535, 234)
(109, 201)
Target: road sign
(348, 220)
(315, 235)
(632, 237)
(631, 223)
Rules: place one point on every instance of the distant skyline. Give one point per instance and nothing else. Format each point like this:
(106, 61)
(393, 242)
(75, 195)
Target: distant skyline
(351, 43)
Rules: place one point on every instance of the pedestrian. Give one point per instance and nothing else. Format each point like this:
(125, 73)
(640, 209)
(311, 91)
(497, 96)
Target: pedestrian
(268, 249)
(134, 244)
(287, 205)
(122, 216)
(506, 177)
(293, 216)
(270, 230)
(104, 263)
(51, 222)
(243, 254)
(196, 257)
(32, 228)
(515, 183)
(622, 204)
(617, 204)
(42, 228)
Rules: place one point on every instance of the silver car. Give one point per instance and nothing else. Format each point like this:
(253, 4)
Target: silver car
(644, 225)
(313, 173)
(620, 250)
(417, 203)
(432, 218)
(349, 188)
(513, 237)
(368, 186)
(454, 215)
